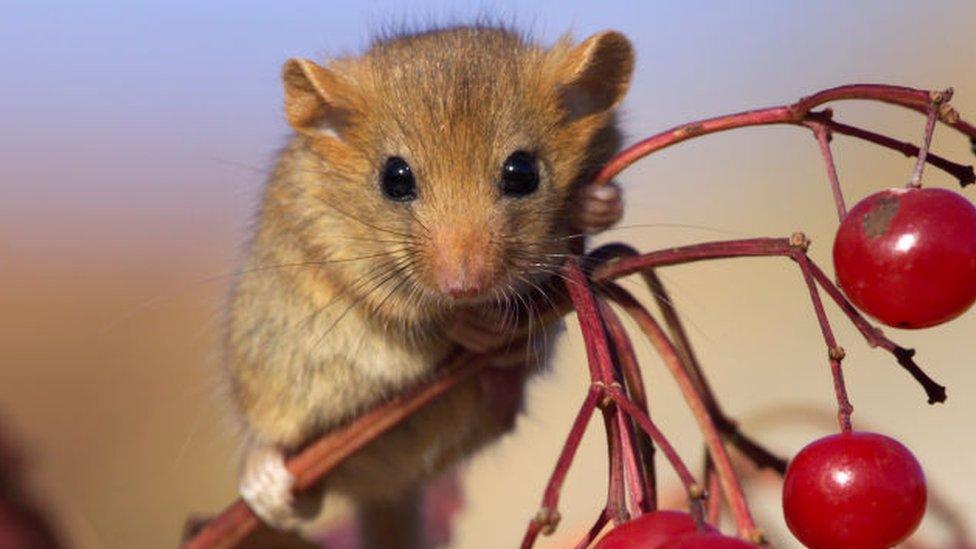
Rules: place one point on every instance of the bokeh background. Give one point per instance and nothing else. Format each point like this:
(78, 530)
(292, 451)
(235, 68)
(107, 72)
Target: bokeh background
(134, 139)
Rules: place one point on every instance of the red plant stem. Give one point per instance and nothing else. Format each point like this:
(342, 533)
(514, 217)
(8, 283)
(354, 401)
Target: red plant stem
(786, 114)
(645, 491)
(619, 267)
(594, 530)
(308, 466)
(834, 352)
(644, 421)
(752, 247)
(633, 473)
(875, 338)
(964, 174)
(616, 491)
(822, 134)
(660, 341)
(714, 503)
(598, 353)
(933, 114)
(759, 455)
(548, 516)
(594, 335)
(632, 480)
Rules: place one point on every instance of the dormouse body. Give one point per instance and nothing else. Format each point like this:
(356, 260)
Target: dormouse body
(433, 184)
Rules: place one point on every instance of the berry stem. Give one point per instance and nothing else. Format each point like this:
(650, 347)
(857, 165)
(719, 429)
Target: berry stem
(646, 490)
(595, 339)
(713, 511)
(730, 482)
(750, 247)
(594, 531)
(546, 519)
(876, 338)
(938, 99)
(616, 490)
(613, 252)
(822, 133)
(835, 353)
(796, 114)
(761, 457)
(964, 174)
(644, 421)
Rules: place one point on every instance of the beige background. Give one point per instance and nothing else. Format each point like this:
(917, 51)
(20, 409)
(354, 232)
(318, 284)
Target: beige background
(110, 299)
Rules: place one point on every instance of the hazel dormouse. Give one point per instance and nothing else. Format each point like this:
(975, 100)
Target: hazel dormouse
(432, 189)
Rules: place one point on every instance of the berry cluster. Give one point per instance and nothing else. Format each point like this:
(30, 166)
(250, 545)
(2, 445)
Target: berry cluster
(905, 257)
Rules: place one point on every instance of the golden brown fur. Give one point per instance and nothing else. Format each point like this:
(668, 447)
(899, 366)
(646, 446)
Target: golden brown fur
(339, 308)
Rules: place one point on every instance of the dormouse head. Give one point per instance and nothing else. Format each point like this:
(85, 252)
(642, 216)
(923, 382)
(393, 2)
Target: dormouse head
(445, 160)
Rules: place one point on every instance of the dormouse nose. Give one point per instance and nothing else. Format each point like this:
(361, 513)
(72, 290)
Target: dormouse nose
(462, 264)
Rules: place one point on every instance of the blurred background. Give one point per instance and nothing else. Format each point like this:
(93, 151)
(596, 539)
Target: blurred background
(135, 139)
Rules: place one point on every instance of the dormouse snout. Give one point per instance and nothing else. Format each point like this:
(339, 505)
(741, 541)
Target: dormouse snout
(463, 263)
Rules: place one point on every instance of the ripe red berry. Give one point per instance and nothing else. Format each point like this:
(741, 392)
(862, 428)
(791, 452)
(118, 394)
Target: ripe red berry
(707, 541)
(907, 257)
(650, 531)
(861, 490)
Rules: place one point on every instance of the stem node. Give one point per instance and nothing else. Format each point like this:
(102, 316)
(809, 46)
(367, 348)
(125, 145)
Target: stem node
(837, 353)
(548, 520)
(800, 241)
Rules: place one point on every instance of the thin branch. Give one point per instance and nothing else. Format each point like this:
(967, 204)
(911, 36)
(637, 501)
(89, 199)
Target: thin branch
(768, 247)
(616, 490)
(692, 487)
(933, 114)
(730, 483)
(935, 392)
(646, 492)
(796, 114)
(594, 531)
(313, 462)
(835, 353)
(547, 518)
(822, 133)
(964, 174)
(760, 456)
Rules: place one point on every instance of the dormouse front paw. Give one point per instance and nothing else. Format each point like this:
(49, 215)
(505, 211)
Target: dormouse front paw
(597, 207)
(483, 329)
(265, 485)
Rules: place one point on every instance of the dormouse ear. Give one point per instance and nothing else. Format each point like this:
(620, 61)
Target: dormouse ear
(316, 99)
(595, 75)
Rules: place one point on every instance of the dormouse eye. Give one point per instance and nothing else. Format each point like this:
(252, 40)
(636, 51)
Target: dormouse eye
(520, 174)
(397, 180)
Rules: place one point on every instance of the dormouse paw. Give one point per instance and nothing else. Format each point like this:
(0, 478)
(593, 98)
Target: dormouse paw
(598, 207)
(483, 329)
(265, 485)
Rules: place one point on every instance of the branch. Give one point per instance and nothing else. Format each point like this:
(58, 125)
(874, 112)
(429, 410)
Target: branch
(835, 353)
(964, 174)
(730, 483)
(905, 357)
(313, 462)
(795, 114)
(768, 247)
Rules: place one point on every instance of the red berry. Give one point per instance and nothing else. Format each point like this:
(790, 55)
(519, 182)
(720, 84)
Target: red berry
(861, 490)
(707, 541)
(907, 257)
(649, 531)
